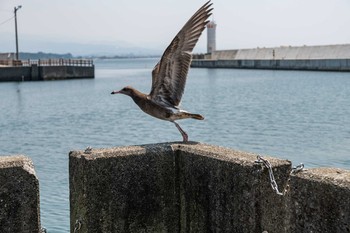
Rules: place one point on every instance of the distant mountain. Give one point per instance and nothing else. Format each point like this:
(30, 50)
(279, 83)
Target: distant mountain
(33, 44)
(93, 49)
(118, 56)
(41, 55)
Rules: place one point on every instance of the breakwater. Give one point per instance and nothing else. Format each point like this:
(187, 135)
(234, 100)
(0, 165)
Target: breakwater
(194, 187)
(41, 70)
(315, 65)
(318, 58)
(180, 187)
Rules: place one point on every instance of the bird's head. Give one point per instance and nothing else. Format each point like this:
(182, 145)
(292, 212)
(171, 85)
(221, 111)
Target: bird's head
(126, 91)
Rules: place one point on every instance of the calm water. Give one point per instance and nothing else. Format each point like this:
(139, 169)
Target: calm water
(300, 116)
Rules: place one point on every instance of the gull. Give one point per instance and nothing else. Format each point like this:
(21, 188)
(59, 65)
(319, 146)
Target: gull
(170, 73)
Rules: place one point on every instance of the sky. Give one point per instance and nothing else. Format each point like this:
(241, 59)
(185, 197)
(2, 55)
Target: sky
(59, 26)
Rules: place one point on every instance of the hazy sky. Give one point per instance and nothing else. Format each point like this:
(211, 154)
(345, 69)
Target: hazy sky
(153, 23)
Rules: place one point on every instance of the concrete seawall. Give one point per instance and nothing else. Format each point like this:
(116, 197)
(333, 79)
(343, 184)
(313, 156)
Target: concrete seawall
(47, 71)
(175, 187)
(318, 58)
(66, 72)
(36, 73)
(318, 52)
(315, 65)
(19, 195)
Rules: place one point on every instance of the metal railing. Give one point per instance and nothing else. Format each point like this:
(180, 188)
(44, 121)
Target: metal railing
(47, 62)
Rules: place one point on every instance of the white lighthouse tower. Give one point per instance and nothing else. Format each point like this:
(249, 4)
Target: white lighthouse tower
(211, 36)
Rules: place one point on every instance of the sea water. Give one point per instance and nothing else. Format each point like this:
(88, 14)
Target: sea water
(296, 115)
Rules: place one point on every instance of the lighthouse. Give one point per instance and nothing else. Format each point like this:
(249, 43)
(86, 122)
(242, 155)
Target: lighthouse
(211, 36)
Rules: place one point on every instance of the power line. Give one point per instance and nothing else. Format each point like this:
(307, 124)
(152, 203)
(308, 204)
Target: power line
(6, 20)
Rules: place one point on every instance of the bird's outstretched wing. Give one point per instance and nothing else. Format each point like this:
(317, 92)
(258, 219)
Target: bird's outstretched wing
(170, 73)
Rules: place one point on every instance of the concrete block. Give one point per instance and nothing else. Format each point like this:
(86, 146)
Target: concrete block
(19, 195)
(15, 74)
(320, 201)
(222, 190)
(173, 187)
(125, 189)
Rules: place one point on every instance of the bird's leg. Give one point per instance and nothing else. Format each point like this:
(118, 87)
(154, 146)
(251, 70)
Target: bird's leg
(183, 133)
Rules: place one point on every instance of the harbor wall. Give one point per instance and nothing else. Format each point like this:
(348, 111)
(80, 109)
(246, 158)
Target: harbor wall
(19, 195)
(15, 74)
(180, 187)
(315, 65)
(40, 73)
(318, 58)
(66, 72)
(193, 187)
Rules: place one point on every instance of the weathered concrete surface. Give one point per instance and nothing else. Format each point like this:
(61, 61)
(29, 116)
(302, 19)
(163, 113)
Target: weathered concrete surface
(320, 201)
(327, 52)
(315, 65)
(126, 189)
(319, 58)
(223, 190)
(193, 187)
(174, 187)
(15, 74)
(40, 73)
(66, 72)
(19, 195)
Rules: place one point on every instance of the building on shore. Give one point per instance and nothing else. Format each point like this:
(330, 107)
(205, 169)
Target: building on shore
(7, 56)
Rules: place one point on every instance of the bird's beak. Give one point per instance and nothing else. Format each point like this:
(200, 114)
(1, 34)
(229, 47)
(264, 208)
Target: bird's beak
(115, 92)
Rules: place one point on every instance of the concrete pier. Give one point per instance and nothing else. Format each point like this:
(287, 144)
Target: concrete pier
(42, 70)
(19, 195)
(312, 65)
(317, 58)
(194, 187)
(180, 187)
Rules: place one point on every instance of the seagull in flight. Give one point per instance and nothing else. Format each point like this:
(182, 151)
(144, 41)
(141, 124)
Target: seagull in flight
(170, 73)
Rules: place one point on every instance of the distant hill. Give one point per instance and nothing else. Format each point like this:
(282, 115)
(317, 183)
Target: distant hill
(119, 56)
(41, 55)
(93, 49)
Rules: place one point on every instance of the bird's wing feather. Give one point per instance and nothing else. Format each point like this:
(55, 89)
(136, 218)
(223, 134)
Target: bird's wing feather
(170, 73)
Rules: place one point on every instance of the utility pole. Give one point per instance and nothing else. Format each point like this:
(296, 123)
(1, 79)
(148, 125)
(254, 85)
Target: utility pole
(15, 11)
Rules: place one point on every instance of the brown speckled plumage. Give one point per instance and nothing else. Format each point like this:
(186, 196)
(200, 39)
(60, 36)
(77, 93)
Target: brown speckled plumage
(170, 73)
